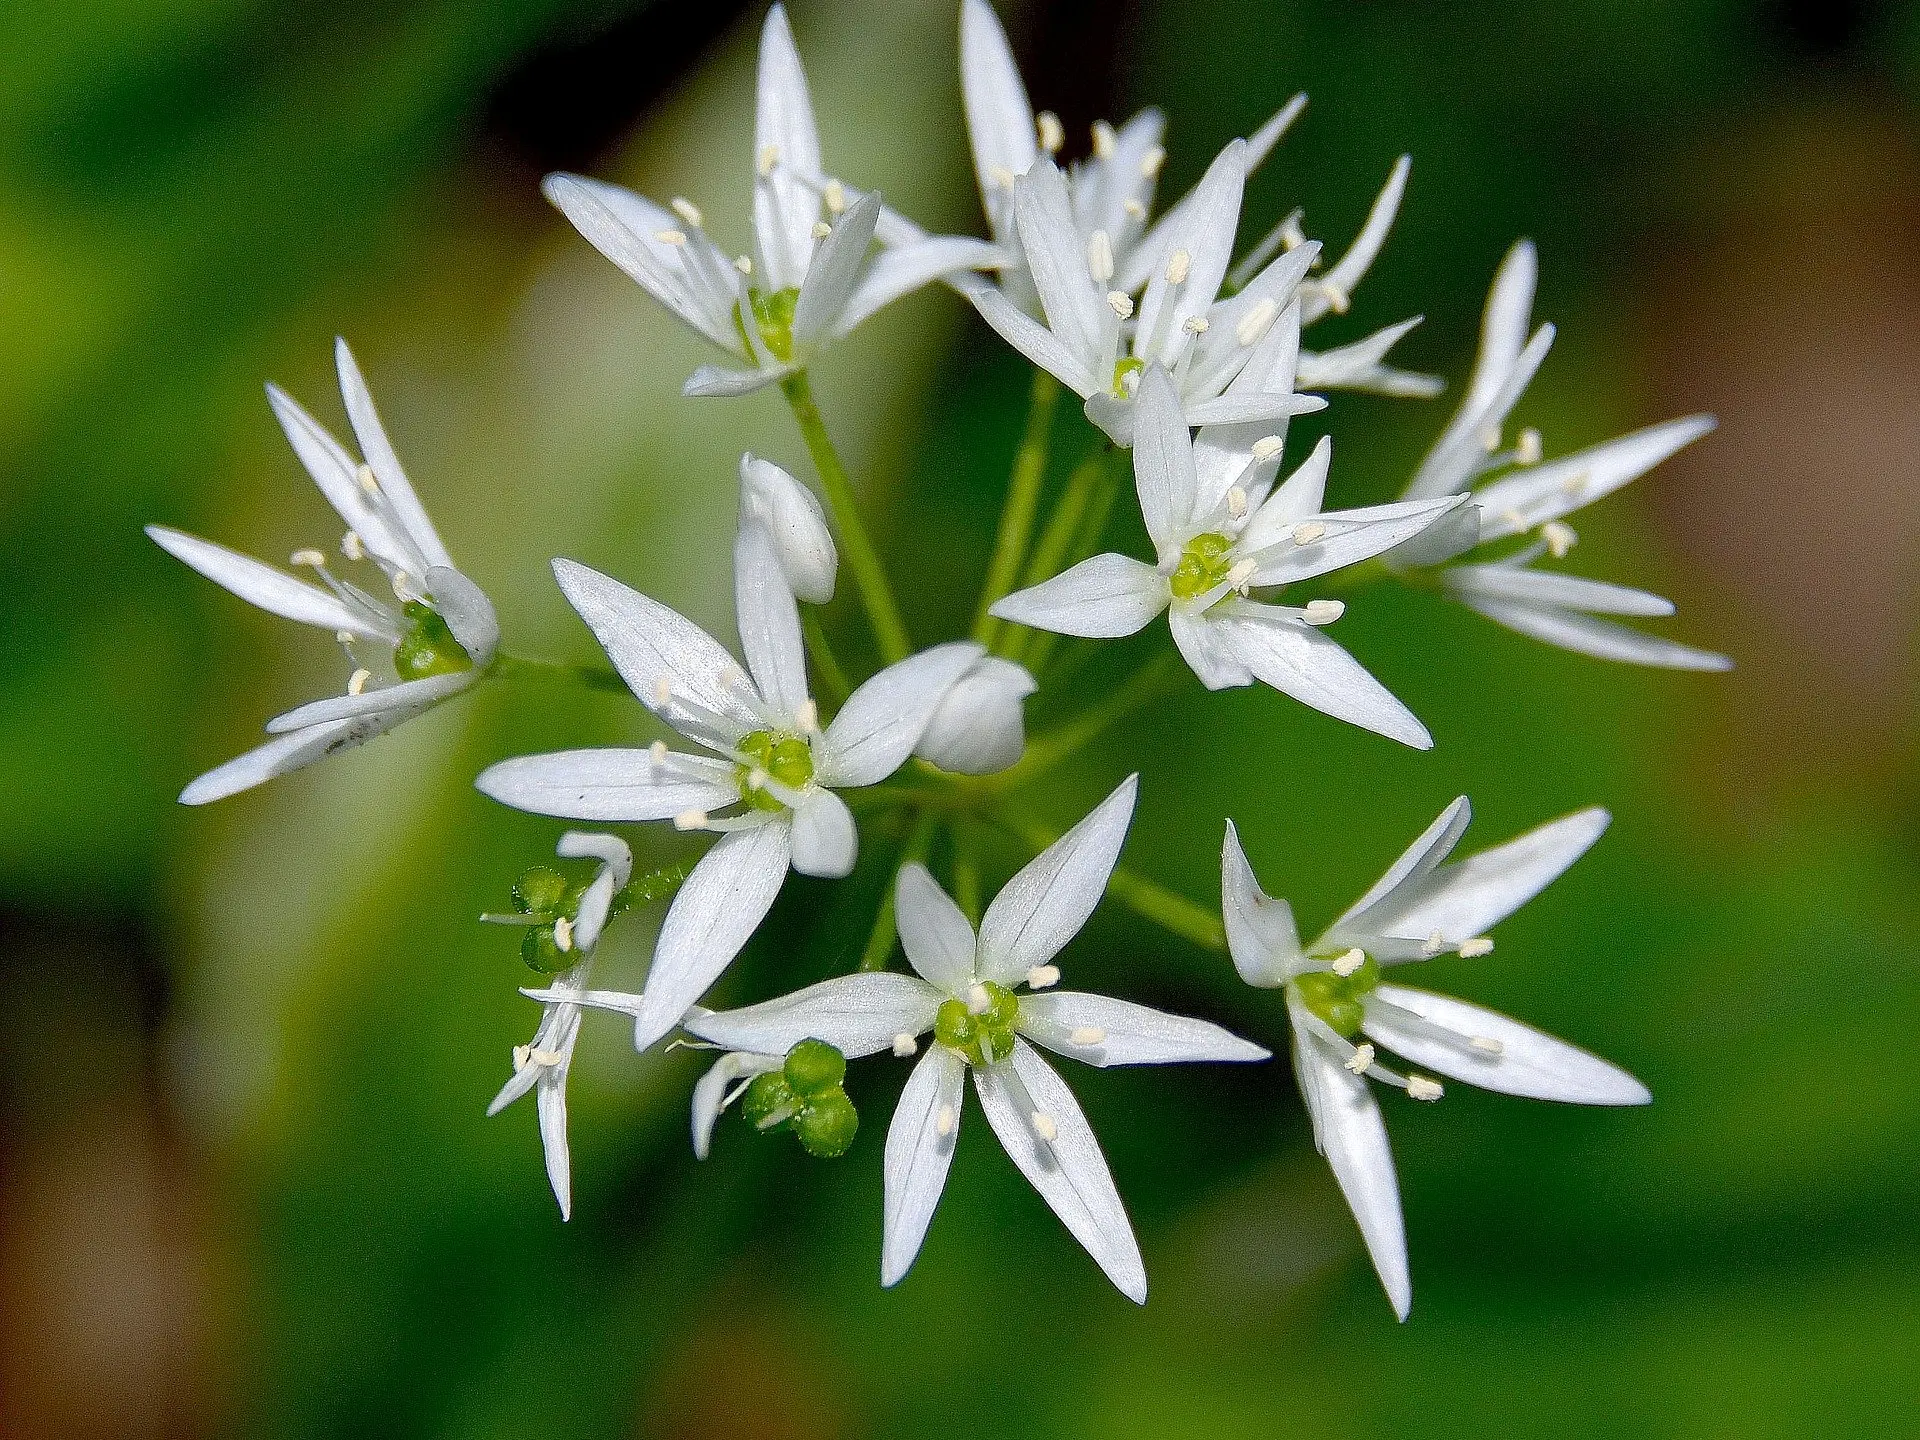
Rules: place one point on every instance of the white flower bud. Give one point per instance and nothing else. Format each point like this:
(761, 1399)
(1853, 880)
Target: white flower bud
(798, 526)
(978, 727)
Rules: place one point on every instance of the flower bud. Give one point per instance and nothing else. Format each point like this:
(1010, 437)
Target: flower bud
(978, 727)
(793, 518)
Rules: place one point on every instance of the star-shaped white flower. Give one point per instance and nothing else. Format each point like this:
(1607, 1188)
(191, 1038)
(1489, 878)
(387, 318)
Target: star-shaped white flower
(541, 1065)
(433, 638)
(964, 990)
(1219, 533)
(1532, 498)
(810, 280)
(773, 769)
(1420, 908)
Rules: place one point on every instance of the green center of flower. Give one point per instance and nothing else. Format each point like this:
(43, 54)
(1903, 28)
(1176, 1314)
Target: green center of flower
(979, 1027)
(1123, 367)
(786, 758)
(1204, 563)
(807, 1094)
(1337, 999)
(428, 647)
(773, 318)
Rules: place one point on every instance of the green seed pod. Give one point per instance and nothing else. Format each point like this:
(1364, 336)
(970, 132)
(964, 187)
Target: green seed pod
(540, 890)
(428, 647)
(814, 1067)
(542, 955)
(769, 1101)
(827, 1125)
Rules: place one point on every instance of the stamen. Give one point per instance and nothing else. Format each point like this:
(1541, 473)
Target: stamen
(1087, 1035)
(1151, 162)
(1337, 298)
(1421, 1088)
(1513, 518)
(1573, 486)
(1236, 502)
(1100, 257)
(1489, 438)
(1104, 140)
(807, 720)
(307, 558)
(1134, 208)
(563, 934)
(1041, 976)
(687, 211)
(1178, 264)
(662, 693)
(821, 229)
(658, 753)
(675, 238)
(1044, 1127)
(1349, 962)
(1487, 1044)
(525, 1055)
(1323, 612)
(367, 480)
(1195, 324)
(1308, 531)
(690, 820)
(1052, 133)
(1527, 451)
(403, 590)
(943, 1122)
(521, 1055)
(905, 1045)
(1361, 1058)
(1001, 176)
(744, 264)
(978, 1000)
(352, 547)
(1268, 446)
(769, 157)
(1242, 572)
(345, 637)
(1476, 947)
(1120, 303)
(1435, 943)
(357, 682)
(1291, 235)
(1560, 537)
(1254, 323)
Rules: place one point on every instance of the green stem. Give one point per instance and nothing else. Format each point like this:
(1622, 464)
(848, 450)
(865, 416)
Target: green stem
(833, 679)
(885, 926)
(1091, 525)
(1160, 676)
(652, 887)
(1022, 503)
(855, 544)
(966, 870)
(594, 677)
(1146, 898)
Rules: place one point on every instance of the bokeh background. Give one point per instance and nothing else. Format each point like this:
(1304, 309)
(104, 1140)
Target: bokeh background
(246, 1186)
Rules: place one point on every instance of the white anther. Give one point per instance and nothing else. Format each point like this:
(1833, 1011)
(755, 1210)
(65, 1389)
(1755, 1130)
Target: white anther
(1254, 323)
(1323, 612)
(1349, 962)
(1087, 1035)
(1100, 257)
(1308, 531)
(1560, 537)
(1001, 176)
(657, 752)
(1134, 208)
(1514, 519)
(675, 238)
(757, 778)
(525, 1055)
(352, 547)
(1435, 943)
(521, 1055)
(345, 637)
(403, 590)
(1195, 324)
(1527, 451)
(1486, 1044)
(744, 264)
(769, 157)
(978, 1000)
(1361, 1058)
(1044, 1127)
(1041, 976)
(807, 719)
(1574, 485)
(943, 1122)
(1178, 264)
(1291, 235)
(1241, 575)
(835, 195)
(307, 557)
(690, 820)
(1473, 949)
(1268, 446)
(1236, 502)
(368, 481)
(563, 934)
(1052, 133)
(1337, 298)
(1489, 438)
(357, 682)
(821, 229)
(662, 693)
(1151, 162)
(687, 211)
(1120, 303)
(905, 1045)
(1104, 140)
(1421, 1088)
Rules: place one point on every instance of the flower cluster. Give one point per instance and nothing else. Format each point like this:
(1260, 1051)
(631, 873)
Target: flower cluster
(1189, 365)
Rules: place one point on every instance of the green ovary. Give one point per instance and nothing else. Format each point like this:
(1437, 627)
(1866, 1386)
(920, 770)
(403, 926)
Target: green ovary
(773, 318)
(1338, 999)
(1123, 367)
(1205, 563)
(428, 647)
(787, 758)
(983, 1038)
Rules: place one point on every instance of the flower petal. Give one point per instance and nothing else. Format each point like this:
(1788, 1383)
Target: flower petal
(1206, 648)
(919, 1150)
(384, 462)
(935, 934)
(272, 590)
(1461, 451)
(1299, 498)
(609, 784)
(796, 523)
(710, 1091)
(413, 696)
(1210, 219)
(1348, 537)
(1043, 906)
(467, 611)
(289, 752)
(883, 720)
(1000, 121)
(1296, 659)
(857, 1014)
(1525, 499)
(1419, 859)
(979, 727)
(1261, 934)
(1601, 639)
(1033, 340)
(1102, 598)
(1163, 472)
(711, 381)
(785, 205)
(1503, 328)
(1544, 587)
(1066, 1021)
(338, 477)
(769, 625)
(832, 274)
(1055, 257)
(905, 268)
(825, 842)
(1347, 272)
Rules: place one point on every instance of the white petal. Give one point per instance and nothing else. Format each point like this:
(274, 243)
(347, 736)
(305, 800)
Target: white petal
(1366, 245)
(467, 611)
(710, 1091)
(835, 268)
(883, 720)
(785, 205)
(1543, 587)
(902, 270)
(382, 460)
(1348, 1128)
(1207, 649)
(595, 905)
(1163, 473)
(412, 696)
(257, 583)
(1129, 1034)
(1298, 660)
(1347, 538)
(653, 647)
(825, 842)
(1046, 903)
(1524, 499)
(1036, 342)
(1526, 1062)
(1261, 934)
(1258, 407)
(277, 757)
(933, 931)
(550, 1096)
(857, 1014)
(1298, 499)
(1503, 329)
(338, 477)
(1210, 219)
(716, 912)
(1103, 598)
(1000, 120)
(795, 522)
(1419, 859)
(609, 785)
(769, 625)
(1361, 366)
(1069, 1171)
(919, 1150)
(1057, 260)
(1599, 638)
(711, 381)
(979, 728)
(1460, 453)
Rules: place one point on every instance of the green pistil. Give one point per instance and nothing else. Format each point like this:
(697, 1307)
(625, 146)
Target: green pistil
(428, 647)
(807, 1096)
(1337, 999)
(545, 895)
(1123, 367)
(773, 318)
(787, 758)
(984, 1037)
(1204, 564)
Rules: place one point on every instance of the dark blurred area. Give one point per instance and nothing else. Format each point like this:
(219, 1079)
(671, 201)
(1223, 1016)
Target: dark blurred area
(246, 1185)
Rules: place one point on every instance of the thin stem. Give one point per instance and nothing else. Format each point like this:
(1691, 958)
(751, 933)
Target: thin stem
(966, 870)
(833, 679)
(1160, 676)
(1146, 898)
(855, 544)
(1022, 503)
(1085, 540)
(594, 677)
(885, 926)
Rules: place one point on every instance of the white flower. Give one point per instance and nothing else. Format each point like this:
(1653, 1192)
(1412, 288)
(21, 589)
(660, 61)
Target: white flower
(774, 769)
(1219, 533)
(543, 1062)
(1535, 498)
(979, 727)
(795, 523)
(1420, 908)
(964, 991)
(809, 281)
(435, 637)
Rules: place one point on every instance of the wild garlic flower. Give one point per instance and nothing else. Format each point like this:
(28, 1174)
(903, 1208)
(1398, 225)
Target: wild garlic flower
(1335, 995)
(1532, 500)
(541, 1065)
(965, 990)
(809, 281)
(795, 522)
(767, 789)
(433, 638)
(1219, 534)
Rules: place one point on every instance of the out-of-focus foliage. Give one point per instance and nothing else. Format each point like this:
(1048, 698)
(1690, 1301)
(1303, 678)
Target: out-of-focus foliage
(249, 1047)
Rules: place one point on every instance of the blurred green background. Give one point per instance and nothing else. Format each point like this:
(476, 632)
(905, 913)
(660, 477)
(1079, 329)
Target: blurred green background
(246, 1185)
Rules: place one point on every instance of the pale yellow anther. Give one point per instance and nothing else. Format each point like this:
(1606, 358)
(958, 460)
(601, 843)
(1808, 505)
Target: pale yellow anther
(311, 558)
(1254, 323)
(662, 693)
(1236, 502)
(1105, 142)
(1338, 300)
(675, 238)
(1241, 575)
(563, 934)
(1267, 447)
(1349, 962)
(1421, 1088)
(943, 1122)
(1489, 438)
(1195, 324)
(345, 637)
(1151, 162)
(369, 482)
(1434, 944)
(835, 195)
(525, 1055)
(905, 1045)
(1134, 208)
(1480, 945)
(769, 157)
(1041, 976)
(807, 719)
(1323, 612)
(1120, 303)
(657, 752)
(687, 211)
(821, 230)
(1100, 257)
(1560, 537)
(1087, 1035)
(403, 590)
(352, 546)
(521, 1055)
(1051, 133)
(1528, 450)
(1514, 519)
(1044, 1127)
(1000, 175)
(744, 264)
(1487, 1045)
(690, 820)
(1574, 485)
(978, 1000)
(1292, 237)
(357, 682)
(1308, 531)
(1178, 265)
(1361, 1058)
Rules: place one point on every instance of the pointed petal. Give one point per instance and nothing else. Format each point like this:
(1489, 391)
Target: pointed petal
(335, 472)
(1000, 121)
(609, 785)
(795, 522)
(1261, 934)
(1055, 257)
(1035, 341)
(1068, 1022)
(412, 696)
(1353, 265)
(825, 842)
(1069, 1171)
(825, 293)
(933, 931)
(1045, 904)
(1461, 451)
(919, 1150)
(1348, 537)
(467, 611)
(1102, 598)
(289, 752)
(882, 721)
(785, 205)
(979, 727)
(383, 461)
(1208, 224)
(1419, 859)
(710, 1092)
(1525, 1062)
(1503, 329)
(1207, 648)
(1163, 473)
(1360, 366)
(769, 625)
(906, 268)
(1545, 588)
(1299, 498)
(1599, 638)
(257, 583)
(1260, 407)
(1297, 660)
(711, 381)
(857, 1014)
(1525, 499)
(596, 903)
(550, 1096)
